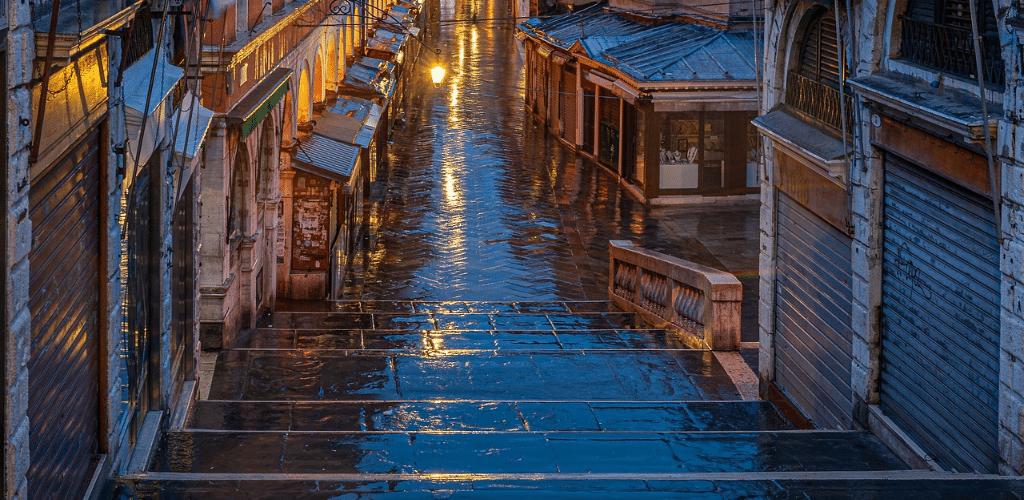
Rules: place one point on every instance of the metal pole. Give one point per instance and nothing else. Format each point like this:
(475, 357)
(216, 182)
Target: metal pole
(997, 199)
(44, 88)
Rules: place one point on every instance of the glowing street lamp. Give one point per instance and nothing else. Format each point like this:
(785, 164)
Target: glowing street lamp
(437, 75)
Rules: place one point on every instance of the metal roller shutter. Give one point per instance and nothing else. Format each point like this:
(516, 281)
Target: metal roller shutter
(812, 323)
(569, 104)
(940, 317)
(63, 403)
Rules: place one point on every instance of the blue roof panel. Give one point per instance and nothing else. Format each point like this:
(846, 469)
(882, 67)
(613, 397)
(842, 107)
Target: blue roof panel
(660, 50)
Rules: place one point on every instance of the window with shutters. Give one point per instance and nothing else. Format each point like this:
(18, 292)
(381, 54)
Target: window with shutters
(938, 34)
(813, 84)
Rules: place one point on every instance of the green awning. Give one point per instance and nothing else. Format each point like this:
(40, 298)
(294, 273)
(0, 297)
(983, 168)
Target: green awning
(249, 112)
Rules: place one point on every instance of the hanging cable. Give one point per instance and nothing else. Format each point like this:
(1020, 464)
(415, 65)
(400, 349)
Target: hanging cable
(997, 200)
(198, 26)
(157, 48)
(842, 98)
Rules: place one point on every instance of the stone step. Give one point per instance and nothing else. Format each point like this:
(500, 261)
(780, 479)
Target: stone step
(417, 321)
(487, 416)
(407, 306)
(212, 452)
(700, 486)
(434, 339)
(556, 375)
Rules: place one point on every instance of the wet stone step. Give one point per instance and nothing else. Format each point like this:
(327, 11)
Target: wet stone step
(435, 340)
(496, 416)
(544, 321)
(917, 486)
(519, 453)
(406, 306)
(558, 375)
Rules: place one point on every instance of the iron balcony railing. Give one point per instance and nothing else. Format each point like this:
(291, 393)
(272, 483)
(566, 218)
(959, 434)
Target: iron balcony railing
(819, 101)
(139, 39)
(951, 50)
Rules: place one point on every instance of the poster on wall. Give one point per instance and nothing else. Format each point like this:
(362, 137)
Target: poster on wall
(311, 211)
(280, 236)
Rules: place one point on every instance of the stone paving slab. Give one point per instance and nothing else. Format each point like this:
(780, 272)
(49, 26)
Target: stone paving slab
(439, 306)
(522, 453)
(667, 375)
(431, 339)
(484, 416)
(546, 321)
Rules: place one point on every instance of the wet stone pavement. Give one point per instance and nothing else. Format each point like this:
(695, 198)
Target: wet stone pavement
(475, 354)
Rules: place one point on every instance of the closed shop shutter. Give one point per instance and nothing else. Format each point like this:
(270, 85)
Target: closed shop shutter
(63, 285)
(553, 86)
(569, 104)
(940, 317)
(183, 291)
(812, 323)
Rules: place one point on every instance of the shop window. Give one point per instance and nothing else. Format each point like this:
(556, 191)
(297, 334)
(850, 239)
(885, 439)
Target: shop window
(608, 133)
(707, 151)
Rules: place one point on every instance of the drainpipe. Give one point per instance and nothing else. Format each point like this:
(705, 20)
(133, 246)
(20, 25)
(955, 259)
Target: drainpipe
(997, 199)
(842, 95)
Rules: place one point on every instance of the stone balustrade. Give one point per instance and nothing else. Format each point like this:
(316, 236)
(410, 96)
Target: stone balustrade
(700, 303)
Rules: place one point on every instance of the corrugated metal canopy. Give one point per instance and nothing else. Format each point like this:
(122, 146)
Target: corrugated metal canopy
(583, 24)
(350, 120)
(386, 40)
(326, 157)
(371, 75)
(655, 52)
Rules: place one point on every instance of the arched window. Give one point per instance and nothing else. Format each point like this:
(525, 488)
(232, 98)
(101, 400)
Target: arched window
(937, 34)
(819, 50)
(813, 86)
(238, 201)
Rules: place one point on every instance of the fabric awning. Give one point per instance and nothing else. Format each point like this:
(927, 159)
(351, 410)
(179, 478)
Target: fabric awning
(137, 90)
(192, 122)
(250, 111)
(326, 157)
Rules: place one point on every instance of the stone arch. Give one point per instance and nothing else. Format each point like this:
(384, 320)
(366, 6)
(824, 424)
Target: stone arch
(786, 47)
(332, 62)
(239, 199)
(318, 78)
(304, 105)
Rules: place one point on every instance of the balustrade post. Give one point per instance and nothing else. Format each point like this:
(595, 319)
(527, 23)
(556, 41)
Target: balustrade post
(661, 281)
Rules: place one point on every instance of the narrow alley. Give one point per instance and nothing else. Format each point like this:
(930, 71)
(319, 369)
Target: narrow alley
(473, 351)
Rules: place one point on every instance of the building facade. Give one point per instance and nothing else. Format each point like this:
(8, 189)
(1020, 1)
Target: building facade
(891, 253)
(664, 102)
(147, 144)
(101, 203)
